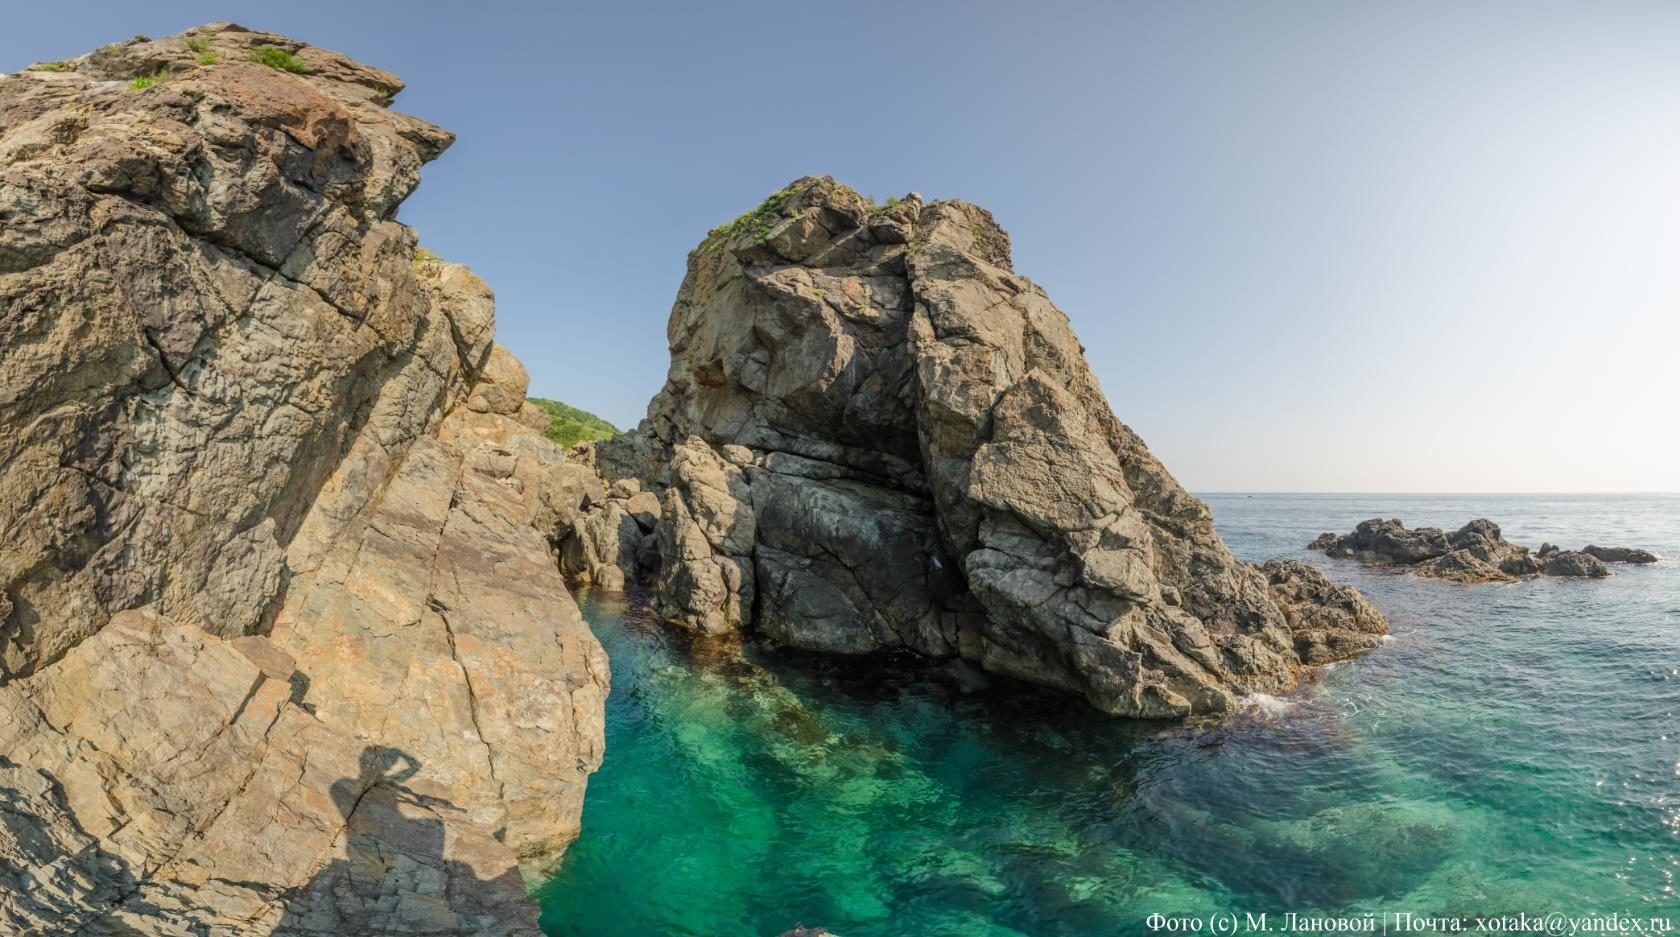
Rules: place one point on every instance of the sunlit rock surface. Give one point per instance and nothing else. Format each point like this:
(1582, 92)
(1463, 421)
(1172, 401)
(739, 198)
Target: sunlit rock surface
(283, 643)
(875, 434)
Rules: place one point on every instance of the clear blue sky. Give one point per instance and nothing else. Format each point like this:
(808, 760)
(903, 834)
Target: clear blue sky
(1309, 246)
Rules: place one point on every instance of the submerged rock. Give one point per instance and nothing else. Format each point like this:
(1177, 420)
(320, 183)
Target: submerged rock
(283, 646)
(875, 434)
(1476, 552)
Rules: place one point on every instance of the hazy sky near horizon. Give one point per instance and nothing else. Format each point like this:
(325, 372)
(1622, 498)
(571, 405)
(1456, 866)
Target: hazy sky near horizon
(1309, 246)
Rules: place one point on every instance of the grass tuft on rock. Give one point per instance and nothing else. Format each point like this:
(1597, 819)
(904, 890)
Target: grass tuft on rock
(757, 223)
(427, 264)
(276, 57)
(52, 66)
(569, 426)
(147, 81)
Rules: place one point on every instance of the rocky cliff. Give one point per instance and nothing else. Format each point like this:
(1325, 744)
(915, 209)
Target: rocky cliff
(283, 644)
(875, 434)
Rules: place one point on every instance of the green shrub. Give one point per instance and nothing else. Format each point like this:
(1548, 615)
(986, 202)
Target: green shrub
(52, 66)
(569, 426)
(208, 58)
(146, 81)
(199, 44)
(276, 57)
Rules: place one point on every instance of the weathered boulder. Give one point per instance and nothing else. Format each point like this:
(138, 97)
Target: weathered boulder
(1461, 566)
(283, 644)
(875, 434)
(1476, 552)
(1572, 563)
(1620, 554)
(1329, 621)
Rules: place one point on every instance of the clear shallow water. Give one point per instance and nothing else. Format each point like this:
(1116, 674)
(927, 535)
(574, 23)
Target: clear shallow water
(1516, 748)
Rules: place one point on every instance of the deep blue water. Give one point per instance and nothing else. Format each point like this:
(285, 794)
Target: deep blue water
(1513, 749)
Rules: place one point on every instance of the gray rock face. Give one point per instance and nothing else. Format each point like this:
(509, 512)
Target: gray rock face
(1476, 552)
(875, 434)
(1620, 554)
(1572, 563)
(283, 644)
(1329, 621)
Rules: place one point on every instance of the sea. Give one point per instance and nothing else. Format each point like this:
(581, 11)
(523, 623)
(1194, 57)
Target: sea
(1510, 755)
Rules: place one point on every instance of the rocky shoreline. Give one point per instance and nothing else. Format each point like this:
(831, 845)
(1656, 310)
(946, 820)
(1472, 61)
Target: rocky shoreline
(285, 643)
(1476, 552)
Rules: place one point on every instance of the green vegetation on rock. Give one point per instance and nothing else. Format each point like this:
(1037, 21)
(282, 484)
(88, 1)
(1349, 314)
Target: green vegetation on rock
(757, 222)
(147, 81)
(569, 426)
(52, 66)
(276, 57)
(426, 263)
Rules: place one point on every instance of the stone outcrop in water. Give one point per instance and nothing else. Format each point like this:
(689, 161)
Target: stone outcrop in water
(283, 644)
(875, 434)
(1620, 554)
(1476, 552)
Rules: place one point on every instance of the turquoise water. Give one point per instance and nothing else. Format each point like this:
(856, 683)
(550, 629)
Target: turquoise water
(1515, 748)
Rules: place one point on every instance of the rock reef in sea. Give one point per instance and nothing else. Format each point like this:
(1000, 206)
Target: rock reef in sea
(283, 644)
(875, 434)
(1476, 552)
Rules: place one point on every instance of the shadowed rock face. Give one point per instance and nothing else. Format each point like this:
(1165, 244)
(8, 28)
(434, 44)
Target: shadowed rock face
(1476, 552)
(283, 645)
(875, 434)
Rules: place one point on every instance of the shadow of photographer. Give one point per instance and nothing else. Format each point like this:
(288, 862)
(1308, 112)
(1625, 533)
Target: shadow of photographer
(408, 865)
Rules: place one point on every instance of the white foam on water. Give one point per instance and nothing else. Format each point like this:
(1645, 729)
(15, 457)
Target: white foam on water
(1266, 703)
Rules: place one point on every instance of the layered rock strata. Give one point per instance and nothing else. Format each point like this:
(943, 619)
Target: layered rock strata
(283, 643)
(875, 434)
(1476, 552)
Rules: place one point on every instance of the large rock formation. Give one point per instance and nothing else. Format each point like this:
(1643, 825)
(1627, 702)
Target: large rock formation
(1476, 552)
(283, 644)
(875, 434)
